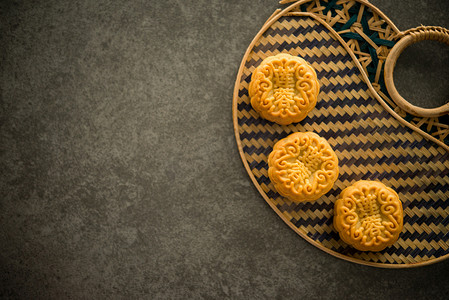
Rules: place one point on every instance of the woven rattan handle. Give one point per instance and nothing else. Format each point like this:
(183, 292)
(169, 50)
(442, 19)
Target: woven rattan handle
(408, 38)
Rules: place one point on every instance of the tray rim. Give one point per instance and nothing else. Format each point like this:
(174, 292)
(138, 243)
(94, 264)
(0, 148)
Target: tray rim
(273, 18)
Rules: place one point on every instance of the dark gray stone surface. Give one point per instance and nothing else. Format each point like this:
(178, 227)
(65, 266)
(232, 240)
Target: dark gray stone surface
(120, 175)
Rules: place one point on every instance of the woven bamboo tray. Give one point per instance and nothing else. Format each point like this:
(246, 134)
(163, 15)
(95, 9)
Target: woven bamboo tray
(376, 134)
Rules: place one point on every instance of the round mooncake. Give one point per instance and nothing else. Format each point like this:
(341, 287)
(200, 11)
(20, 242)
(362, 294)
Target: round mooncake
(368, 216)
(283, 89)
(302, 166)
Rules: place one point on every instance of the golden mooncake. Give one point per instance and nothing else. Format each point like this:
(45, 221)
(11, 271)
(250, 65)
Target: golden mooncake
(283, 89)
(368, 216)
(302, 166)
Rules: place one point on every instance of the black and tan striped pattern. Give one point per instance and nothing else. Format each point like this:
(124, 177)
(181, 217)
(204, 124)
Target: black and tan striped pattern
(369, 142)
(370, 37)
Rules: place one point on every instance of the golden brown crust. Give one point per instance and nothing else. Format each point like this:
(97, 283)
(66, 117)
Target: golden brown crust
(284, 89)
(368, 216)
(303, 166)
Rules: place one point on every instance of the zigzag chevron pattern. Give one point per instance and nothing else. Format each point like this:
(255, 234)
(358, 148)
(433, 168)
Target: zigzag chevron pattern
(368, 141)
(371, 38)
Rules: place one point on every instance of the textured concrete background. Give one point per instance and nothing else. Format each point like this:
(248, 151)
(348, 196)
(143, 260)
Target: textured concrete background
(120, 175)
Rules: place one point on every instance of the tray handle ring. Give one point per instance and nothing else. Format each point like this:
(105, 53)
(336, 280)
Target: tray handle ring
(408, 38)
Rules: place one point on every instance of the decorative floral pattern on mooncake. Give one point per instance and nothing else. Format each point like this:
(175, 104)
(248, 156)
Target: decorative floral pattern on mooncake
(284, 89)
(368, 216)
(303, 166)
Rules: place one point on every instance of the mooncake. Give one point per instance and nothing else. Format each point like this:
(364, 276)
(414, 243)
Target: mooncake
(284, 89)
(368, 216)
(302, 166)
